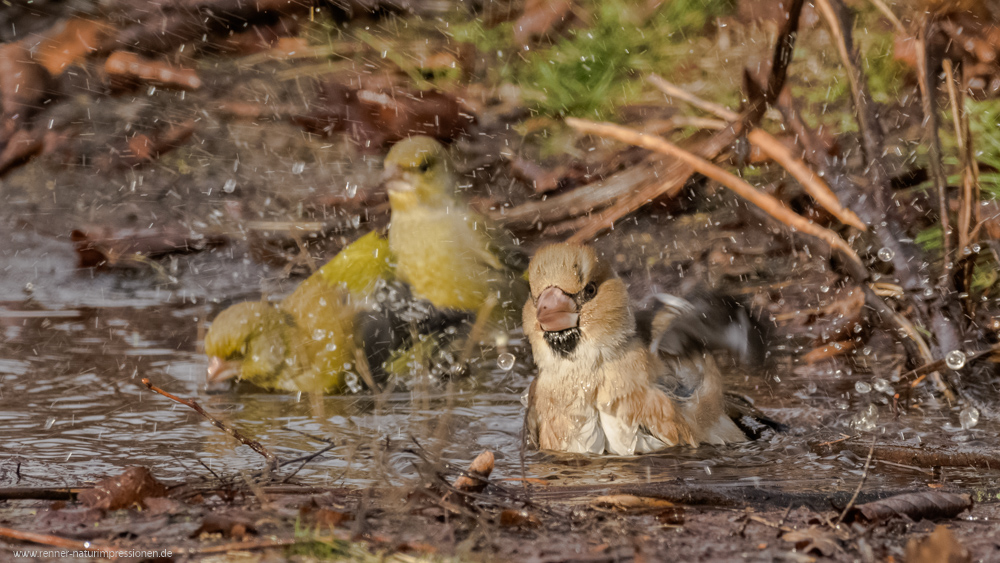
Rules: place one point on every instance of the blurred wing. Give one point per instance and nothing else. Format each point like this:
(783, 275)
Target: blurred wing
(748, 418)
(702, 323)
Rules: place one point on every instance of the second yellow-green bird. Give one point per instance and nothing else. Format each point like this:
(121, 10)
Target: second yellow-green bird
(308, 341)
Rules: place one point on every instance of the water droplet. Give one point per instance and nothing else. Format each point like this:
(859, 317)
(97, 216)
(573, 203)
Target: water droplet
(351, 380)
(885, 254)
(857, 328)
(506, 361)
(331, 347)
(883, 386)
(356, 221)
(966, 251)
(322, 302)
(50, 422)
(230, 186)
(524, 399)
(867, 350)
(955, 359)
(969, 417)
(811, 387)
(352, 189)
(866, 420)
(319, 334)
(862, 387)
(824, 288)
(976, 248)
(298, 167)
(928, 292)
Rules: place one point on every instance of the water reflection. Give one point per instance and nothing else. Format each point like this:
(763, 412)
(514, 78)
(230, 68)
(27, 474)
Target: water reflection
(72, 409)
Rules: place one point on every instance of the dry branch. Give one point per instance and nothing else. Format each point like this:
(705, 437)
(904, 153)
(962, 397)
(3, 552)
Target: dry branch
(253, 444)
(810, 181)
(765, 202)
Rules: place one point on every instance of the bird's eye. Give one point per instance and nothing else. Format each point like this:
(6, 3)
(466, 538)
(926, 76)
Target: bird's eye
(590, 290)
(425, 165)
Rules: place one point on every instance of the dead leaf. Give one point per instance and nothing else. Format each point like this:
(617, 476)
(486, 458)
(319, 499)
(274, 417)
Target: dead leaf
(814, 539)
(229, 525)
(123, 491)
(928, 505)
(939, 547)
(510, 518)
(127, 68)
(479, 472)
(828, 351)
(540, 18)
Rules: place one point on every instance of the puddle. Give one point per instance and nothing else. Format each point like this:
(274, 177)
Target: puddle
(72, 409)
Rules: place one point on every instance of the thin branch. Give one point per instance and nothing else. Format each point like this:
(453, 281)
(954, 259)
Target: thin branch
(253, 444)
(54, 541)
(810, 181)
(864, 477)
(765, 202)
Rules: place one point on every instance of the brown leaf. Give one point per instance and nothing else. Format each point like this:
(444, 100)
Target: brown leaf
(103, 246)
(939, 547)
(229, 525)
(23, 82)
(539, 18)
(827, 351)
(815, 538)
(928, 505)
(123, 491)
(127, 68)
(70, 41)
(380, 114)
(510, 518)
(481, 467)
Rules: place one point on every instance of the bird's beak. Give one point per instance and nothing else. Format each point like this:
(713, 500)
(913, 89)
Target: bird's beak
(398, 186)
(556, 311)
(220, 370)
(392, 179)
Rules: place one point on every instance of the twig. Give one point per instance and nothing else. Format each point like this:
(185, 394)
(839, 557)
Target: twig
(940, 363)
(39, 493)
(48, 539)
(253, 444)
(857, 491)
(810, 181)
(896, 24)
(928, 87)
(765, 202)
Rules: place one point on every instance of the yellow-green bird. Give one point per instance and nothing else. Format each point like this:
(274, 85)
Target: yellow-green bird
(308, 342)
(448, 254)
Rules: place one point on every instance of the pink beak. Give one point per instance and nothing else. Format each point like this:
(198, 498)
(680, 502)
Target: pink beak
(556, 311)
(221, 370)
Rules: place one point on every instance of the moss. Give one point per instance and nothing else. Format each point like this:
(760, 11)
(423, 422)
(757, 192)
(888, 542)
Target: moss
(591, 71)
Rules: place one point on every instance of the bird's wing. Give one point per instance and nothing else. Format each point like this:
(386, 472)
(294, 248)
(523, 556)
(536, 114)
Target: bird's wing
(750, 420)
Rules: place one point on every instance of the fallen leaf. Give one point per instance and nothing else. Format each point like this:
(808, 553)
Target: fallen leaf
(939, 547)
(632, 503)
(479, 472)
(123, 491)
(127, 68)
(928, 505)
(510, 518)
(828, 351)
(229, 525)
(814, 539)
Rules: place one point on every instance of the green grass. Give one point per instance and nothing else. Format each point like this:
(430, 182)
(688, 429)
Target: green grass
(590, 71)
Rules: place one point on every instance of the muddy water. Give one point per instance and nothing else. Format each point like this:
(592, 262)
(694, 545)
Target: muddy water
(75, 345)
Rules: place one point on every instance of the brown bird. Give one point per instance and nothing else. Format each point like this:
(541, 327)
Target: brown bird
(607, 383)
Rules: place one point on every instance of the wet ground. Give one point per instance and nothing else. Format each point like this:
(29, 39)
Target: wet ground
(76, 342)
